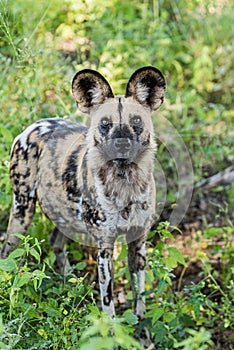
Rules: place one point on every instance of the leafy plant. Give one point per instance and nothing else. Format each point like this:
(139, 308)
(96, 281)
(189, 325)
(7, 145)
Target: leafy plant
(105, 333)
(34, 308)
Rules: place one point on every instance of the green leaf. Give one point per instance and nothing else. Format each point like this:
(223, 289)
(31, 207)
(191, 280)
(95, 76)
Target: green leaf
(38, 277)
(8, 265)
(151, 234)
(212, 232)
(169, 316)
(167, 234)
(160, 286)
(22, 237)
(16, 254)
(72, 280)
(32, 313)
(80, 266)
(160, 246)
(35, 254)
(186, 320)
(170, 262)
(51, 311)
(22, 280)
(196, 308)
(157, 314)
(130, 318)
(176, 255)
(160, 332)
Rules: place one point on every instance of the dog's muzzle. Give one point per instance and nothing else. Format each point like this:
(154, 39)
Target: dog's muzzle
(121, 148)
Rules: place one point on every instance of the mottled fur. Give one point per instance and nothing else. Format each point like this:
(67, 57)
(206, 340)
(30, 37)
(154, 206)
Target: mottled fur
(98, 180)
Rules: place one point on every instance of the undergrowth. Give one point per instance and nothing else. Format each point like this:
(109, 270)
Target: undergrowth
(42, 308)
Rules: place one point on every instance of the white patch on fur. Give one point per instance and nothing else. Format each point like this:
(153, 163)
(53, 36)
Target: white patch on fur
(96, 94)
(33, 191)
(142, 250)
(79, 205)
(109, 309)
(140, 304)
(60, 221)
(142, 91)
(44, 128)
(14, 203)
(23, 137)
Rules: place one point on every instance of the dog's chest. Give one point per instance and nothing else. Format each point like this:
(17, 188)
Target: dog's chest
(125, 211)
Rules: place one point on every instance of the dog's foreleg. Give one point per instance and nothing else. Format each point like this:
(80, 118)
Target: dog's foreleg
(137, 264)
(106, 275)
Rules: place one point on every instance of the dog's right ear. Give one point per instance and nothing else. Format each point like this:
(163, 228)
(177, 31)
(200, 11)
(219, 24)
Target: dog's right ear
(147, 86)
(90, 89)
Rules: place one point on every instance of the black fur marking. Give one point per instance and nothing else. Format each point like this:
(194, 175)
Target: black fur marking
(146, 142)
(22, 206)
(25, 152)
(145, 206)
(107, 299)
(104, 254)
(69, 177)
(150, 83)
(122, 132)
(138, 128)
(34, 150)
(88, 85)
(104, 129)
(27, 174)
(126, 212)
(141, 262)
(120, 109)
(120, 106)
(101, 273)
(92, 215)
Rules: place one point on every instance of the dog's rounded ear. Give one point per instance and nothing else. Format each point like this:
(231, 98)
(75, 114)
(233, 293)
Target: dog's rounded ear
(90, 89)
(147, 85)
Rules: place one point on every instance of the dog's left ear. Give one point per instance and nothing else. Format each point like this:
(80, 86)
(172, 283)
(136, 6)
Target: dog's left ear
(147, 85)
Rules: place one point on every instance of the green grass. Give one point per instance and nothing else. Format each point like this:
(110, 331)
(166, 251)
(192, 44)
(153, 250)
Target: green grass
(42, 45)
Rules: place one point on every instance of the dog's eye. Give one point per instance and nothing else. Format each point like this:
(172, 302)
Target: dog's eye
(136, 120)
(105, 122)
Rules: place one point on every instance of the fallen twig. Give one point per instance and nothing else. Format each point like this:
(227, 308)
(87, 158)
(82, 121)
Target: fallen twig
(223, 177)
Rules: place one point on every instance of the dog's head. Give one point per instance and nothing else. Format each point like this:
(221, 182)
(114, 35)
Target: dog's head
(121, 128)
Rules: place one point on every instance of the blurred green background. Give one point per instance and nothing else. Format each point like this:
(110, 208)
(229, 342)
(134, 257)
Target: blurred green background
(42, 45)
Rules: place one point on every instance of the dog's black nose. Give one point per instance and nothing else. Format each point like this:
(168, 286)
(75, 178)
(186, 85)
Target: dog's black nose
(122, 145)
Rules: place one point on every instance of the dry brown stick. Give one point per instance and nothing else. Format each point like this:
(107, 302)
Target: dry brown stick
(223, 177)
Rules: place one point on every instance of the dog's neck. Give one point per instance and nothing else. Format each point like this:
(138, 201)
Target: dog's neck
(122, 183)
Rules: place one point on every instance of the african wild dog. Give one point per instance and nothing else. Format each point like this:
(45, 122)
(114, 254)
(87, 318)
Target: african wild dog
(97, 180)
